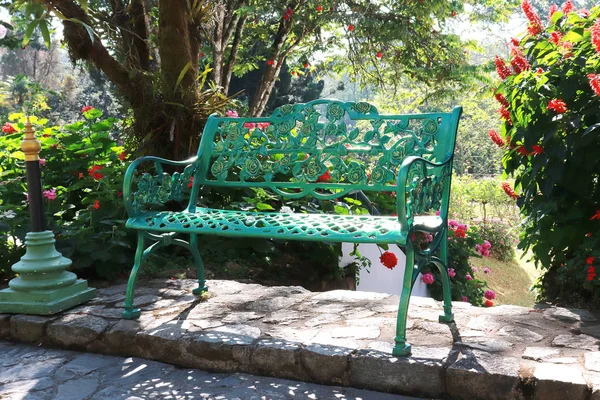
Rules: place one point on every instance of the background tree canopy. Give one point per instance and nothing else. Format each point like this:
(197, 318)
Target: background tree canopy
(163, 56)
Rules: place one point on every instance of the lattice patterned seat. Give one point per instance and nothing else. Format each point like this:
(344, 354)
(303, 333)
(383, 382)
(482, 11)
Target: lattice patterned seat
(324, 149)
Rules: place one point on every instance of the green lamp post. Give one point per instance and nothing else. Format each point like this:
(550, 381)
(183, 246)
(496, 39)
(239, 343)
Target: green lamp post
(43, 285)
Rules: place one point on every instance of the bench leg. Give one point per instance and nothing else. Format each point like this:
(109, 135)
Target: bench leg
(199, 265)
(443, 267)
(401, 348)
(130, 312)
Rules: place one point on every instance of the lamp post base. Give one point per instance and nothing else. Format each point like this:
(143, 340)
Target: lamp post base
(45, 302)
(43, 286)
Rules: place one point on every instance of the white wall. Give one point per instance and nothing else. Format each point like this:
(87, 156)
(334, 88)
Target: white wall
(381, 279)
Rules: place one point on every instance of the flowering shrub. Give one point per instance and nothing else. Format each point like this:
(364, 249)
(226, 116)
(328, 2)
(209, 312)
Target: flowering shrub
(82, 174)
(551, 130)
(501, 237)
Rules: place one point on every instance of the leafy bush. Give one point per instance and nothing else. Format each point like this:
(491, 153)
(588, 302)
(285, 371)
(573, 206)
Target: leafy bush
(82, 167)
(502, 237)
(550, 97)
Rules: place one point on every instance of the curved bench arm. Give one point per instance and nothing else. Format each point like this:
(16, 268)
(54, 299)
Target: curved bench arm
(161, 177)
(423, 186)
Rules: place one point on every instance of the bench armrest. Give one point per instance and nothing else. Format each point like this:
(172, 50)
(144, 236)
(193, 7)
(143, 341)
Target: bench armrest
(155, 189)
(423, 186)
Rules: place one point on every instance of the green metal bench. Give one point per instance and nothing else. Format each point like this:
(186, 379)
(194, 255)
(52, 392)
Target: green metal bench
(287, 153)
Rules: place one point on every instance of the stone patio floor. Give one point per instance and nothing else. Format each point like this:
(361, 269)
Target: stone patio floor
(340, 338)
(34, 373)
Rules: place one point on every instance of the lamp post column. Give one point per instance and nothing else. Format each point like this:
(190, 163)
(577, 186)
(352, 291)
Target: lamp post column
(43, 285)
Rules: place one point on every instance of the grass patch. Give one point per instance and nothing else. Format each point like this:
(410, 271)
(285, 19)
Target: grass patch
(511, 280)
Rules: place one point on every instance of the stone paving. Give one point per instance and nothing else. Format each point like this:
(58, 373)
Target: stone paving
(35, 373)
(339, 337)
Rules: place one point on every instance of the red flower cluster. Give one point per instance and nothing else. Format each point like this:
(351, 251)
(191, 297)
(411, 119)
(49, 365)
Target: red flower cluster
(501, 99)
(501, 68)
(555, 37)
(568, 7)
(591, 272)
(122, 156)
(489, 303)
(519, 62)
(505, 114)
(537, 149)
(389, 259)
(96, 204)
(379, 54)
(514, 42)
(270, 62)
(595, 30)
(553, 8)
(326, 177)
(509, 190)
(496, 138)
(350, 28)
(460, 232)
(191, 182)
(595, 83)
(557, 105)
(93, 172)
(319, 8)
(288, 13)
(595, 216)
(86, 108)
(8, 128)
(535, 23)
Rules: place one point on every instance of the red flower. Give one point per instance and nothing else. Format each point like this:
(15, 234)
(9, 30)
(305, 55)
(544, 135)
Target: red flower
(86, 109)
(595, 216)
(191, 183)
(93, 172)
(350, 28)
(537, 150)
(509, 190)
(319, 8)
(119, 194)
(286, 17)
(326, 177)
(535, 23)
(122, 156)
(557, 105)
(519, 62)
(489, 303)
(555, 37)
(568, 7)
(389, 259)
(8, 128)
(553, 8)
(501, 68)
(501, 99)
(589, 260)
(522, 151)
(460, 232)
(539, 71)
(595, 30)
(496, 138)
(595, 83)
(514, 42)
(305, 65)
(289, 11)
(591, 273)
(379, 54)
(505, 115)
(96, 204)
(270, 62)
(80, 175)
(454, 13)
(589, 234)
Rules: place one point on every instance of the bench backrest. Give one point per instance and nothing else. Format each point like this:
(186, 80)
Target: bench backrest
(324, 148)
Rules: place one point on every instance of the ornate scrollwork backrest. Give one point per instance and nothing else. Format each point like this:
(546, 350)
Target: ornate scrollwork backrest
(156, 190)
(425, 188)
(324, 144)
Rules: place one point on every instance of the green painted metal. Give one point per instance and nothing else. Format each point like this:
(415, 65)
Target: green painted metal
(43, 286)
(324, 149)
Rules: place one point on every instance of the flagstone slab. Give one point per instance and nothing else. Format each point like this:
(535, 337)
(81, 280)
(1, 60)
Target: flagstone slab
(336, 338)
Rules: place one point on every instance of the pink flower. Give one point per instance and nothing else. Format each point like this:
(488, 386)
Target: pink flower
(465, 299)
(452, 224)
(451, 272)
(50, 194)
(428, 278)
(489, 294)
(486, 270)
(553, 8)
(231, 113)
(468, 277)
(437, 213)
(86, 109)
(42, 161)
(475, 269)
(263, 125)
(249, 125)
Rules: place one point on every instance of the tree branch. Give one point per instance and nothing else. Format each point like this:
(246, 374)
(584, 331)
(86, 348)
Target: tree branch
(235, 46)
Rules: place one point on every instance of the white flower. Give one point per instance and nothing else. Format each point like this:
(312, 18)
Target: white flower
(8, 214)
(286, 210)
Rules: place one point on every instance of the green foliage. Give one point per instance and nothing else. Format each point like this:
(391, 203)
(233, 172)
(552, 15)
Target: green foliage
(552, 153)
(501, 235)
(82, 176)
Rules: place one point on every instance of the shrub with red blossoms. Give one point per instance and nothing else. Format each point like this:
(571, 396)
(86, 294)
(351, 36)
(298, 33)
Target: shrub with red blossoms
(552, 119)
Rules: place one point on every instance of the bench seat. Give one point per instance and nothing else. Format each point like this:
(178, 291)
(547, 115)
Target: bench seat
(318, 227)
